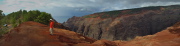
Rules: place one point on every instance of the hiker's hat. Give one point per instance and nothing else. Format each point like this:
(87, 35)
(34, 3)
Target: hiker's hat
(50, 19)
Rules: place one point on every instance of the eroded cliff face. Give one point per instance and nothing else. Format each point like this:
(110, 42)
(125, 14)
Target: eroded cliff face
(125, 24)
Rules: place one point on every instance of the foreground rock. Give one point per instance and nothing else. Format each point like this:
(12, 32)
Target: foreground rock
(167, 37)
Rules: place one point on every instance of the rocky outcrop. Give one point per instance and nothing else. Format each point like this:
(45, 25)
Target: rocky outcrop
(125, 24)
(167, 37)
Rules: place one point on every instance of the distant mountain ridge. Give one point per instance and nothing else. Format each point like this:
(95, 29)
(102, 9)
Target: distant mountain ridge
(119, 13)
(125, 24)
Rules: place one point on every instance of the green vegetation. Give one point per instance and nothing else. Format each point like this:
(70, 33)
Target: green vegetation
(43, 18)
(172, 7)
(94, 16)
(1, 14)
(110, 14)
(15, 18)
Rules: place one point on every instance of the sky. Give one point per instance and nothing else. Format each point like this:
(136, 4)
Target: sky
(61, 10)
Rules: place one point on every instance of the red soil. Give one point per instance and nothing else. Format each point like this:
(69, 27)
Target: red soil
(163, 38)
(36, 34)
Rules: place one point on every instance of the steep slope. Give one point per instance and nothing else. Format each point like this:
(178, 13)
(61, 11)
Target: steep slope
(167, 37)
(59, 25)
(36, 34)
(125, 24)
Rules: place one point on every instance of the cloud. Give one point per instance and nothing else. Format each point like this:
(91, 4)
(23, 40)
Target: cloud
(85, 5)
(159, 4)
(69, 8)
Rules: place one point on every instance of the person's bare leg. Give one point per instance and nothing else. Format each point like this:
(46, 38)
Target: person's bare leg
(51, 31)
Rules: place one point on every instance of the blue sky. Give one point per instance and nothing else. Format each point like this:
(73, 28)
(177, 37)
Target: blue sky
(61, 10)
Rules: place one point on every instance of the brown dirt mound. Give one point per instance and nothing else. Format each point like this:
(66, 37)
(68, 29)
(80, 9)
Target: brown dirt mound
(167, 37)
(36, 34)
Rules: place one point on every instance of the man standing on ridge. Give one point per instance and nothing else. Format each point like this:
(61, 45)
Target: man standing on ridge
(51, 26)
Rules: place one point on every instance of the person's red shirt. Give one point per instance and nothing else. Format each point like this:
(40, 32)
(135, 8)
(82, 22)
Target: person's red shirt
(51, 24)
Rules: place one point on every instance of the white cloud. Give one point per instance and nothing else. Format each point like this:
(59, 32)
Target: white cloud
(159, 4)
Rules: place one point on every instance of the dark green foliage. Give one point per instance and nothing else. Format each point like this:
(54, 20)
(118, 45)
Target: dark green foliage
(15, 18)
(1, 14)
(172, 7)
(43, 18)
(3, 30)
(111, 14)
(94, 16)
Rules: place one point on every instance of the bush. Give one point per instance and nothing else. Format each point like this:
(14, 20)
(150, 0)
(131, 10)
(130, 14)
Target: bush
(43, 18)
(3, 30)
(15, 18)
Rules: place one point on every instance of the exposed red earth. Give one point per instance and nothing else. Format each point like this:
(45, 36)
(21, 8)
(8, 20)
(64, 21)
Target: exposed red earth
(167, 37)
(36, 34)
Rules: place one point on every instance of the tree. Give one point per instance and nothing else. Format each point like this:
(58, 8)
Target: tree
(1, 14)
(16, 18)
(1, 11)
(20, 16)
(43, 18)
